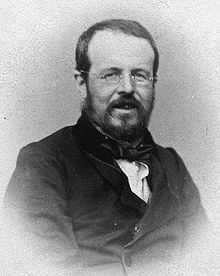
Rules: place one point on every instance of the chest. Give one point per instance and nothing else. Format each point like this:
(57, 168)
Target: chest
(109, 219)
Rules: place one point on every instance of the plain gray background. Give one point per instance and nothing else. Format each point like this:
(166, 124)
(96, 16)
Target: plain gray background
(38, 95)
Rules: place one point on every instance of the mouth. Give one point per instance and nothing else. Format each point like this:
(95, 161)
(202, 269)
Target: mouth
(125, 106)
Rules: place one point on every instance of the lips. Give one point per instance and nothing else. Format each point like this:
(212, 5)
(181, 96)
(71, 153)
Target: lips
(124, 104)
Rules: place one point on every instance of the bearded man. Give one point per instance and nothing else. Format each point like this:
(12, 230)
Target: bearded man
(101, 196)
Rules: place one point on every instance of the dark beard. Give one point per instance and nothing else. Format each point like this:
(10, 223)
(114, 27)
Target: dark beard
(125, 131)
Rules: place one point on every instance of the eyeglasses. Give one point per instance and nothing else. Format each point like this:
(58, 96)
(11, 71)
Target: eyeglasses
(114, 77)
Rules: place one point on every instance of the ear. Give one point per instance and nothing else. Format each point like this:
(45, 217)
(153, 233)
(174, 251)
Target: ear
(80, 83)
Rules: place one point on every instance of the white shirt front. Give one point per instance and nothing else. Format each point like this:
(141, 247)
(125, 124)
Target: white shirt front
(136, 173)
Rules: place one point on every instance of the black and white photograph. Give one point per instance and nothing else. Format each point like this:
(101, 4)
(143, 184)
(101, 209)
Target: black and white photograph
(110, 138)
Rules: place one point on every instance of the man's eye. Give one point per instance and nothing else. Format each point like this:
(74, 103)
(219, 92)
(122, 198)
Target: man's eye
(110, 76)
(140, 76)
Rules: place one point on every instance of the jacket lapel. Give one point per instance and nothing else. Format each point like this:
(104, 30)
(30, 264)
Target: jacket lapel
(120, 184)
(163, 206)
(109, 172)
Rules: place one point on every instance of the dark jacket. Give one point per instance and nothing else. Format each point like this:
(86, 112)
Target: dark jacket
(77, 212)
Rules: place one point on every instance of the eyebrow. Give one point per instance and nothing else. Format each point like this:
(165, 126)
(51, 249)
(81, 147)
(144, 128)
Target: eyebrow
(140, 69)
(120, 69)
(111, 69)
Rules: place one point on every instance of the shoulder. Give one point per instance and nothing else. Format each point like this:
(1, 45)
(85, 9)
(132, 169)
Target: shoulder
(169, 156)
(40, 166)
(55, 145)
(182, 184)
(173, 163)
(54, 141)
(44, 155)
(47, 157)
(179, 178)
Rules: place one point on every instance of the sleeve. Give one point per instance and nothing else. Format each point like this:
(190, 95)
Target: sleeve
(36, 220)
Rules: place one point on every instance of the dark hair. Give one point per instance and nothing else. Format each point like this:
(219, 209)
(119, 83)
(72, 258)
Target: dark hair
(126, 26)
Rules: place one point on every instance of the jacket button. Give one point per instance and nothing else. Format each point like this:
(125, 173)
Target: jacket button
(137, 229)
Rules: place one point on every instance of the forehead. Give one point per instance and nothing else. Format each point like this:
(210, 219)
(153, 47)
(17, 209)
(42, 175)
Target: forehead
(111, 48)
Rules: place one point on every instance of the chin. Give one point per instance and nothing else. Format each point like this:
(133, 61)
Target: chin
(126, 129)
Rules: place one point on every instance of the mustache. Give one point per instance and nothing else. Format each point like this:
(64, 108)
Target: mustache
(129, 102)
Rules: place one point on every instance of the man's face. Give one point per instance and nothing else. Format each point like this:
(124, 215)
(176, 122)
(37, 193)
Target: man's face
(120, 109)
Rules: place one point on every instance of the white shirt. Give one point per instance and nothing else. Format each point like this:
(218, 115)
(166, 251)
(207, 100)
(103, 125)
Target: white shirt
(136, 173)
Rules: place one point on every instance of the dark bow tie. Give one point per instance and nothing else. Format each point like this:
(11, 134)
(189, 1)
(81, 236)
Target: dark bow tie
(141, 152)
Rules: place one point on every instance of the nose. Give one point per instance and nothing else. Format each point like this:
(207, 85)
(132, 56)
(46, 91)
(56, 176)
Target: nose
(126, 84)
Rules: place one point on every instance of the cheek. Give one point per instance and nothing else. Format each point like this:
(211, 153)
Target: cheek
(146, 96)
(147, 101)
(100, 95)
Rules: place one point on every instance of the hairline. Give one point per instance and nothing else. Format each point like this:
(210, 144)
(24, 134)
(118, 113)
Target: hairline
(125, 26)
(119, 31)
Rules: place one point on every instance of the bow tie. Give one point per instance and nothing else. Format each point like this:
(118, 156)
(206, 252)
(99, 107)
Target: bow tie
(141, 152)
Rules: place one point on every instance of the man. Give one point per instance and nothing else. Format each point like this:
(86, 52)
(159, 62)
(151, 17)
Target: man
(102, 196)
